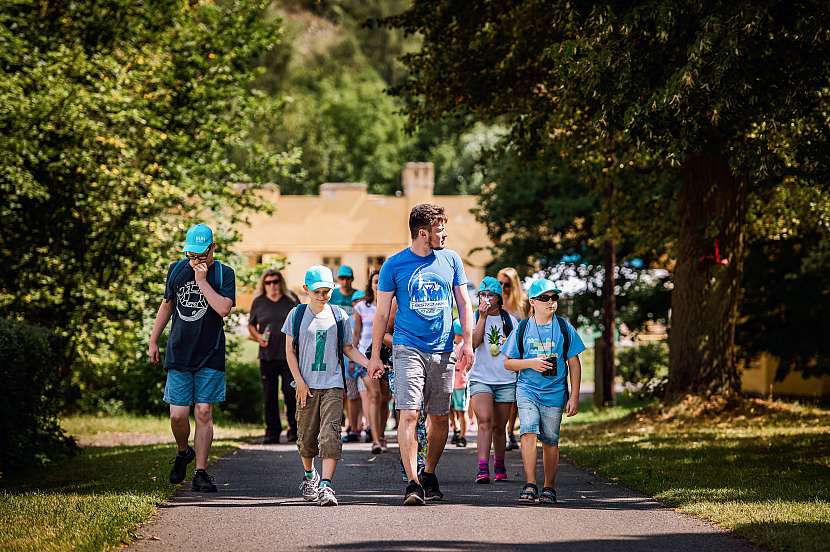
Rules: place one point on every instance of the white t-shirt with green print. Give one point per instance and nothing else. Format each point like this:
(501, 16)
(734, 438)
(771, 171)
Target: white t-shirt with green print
(319, 365)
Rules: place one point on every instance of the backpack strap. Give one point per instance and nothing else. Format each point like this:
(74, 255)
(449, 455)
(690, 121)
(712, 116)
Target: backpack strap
(176, 270)
(295, 328)
(520, 337)
(341, 331)
(566, 337)
(219, 276)
(506, 323)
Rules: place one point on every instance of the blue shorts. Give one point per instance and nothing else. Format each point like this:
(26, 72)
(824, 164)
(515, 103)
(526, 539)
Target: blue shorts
(502, 392)
(542, 420)
(355, 370)
(206, 386)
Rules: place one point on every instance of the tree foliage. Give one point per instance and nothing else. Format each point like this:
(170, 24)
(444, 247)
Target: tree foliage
(118, 119)
(731, 96)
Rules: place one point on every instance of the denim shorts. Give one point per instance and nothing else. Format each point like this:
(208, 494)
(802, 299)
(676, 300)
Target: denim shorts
(502, 392)
(542, 420)
(205, 386)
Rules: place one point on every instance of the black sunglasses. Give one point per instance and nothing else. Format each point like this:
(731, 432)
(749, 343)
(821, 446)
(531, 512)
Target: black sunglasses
(547, 298)
(196, 256)
(272, 282)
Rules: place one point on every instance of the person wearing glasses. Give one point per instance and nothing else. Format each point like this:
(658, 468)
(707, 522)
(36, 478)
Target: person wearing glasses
(199, 293)
(515, 302)
(544, 350)
(269, 310)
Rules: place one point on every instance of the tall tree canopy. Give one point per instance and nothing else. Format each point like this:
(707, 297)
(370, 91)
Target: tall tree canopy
(117, 118)
(731, 95)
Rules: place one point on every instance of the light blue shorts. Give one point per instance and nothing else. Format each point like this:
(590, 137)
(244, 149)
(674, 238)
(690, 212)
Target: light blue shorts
(206, 386)
(502, 392)
(542, 420)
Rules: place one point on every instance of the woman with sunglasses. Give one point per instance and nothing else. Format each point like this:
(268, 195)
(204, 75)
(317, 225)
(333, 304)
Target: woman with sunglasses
(515, 302)
(271, 306)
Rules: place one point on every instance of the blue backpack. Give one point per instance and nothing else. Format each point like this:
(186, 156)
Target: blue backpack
(341, 331)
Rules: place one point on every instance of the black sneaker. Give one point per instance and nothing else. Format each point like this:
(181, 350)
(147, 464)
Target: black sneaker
(291, 436)
(430, 484)
(203, 482)
(512, 443)
(180, 462)
(455, 436)
(462, 442)
(414, 495)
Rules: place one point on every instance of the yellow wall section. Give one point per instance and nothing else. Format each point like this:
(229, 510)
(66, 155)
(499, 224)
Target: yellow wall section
(759, 378)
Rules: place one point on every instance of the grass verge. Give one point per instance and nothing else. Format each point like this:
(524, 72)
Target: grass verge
(96, 499)
(758, 468)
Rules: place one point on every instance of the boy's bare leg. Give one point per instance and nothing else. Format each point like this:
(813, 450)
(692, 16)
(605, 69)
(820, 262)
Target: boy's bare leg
(550, 459)
(204, 433)
(329, 465)
(407, 420)
(180, 424)
(529, 456)
(438, 427)
(308, 463)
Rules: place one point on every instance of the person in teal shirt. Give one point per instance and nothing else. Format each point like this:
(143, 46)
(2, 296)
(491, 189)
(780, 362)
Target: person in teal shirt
(342, 297)
(544, 350)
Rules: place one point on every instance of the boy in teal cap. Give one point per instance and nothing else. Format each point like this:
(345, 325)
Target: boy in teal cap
(317, 337)
(199, 294)
(544, 350)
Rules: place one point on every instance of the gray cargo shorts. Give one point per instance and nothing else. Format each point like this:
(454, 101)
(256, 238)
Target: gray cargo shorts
(422, 378)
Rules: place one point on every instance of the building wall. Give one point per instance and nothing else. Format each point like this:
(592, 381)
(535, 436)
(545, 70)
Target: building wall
(758, 377)
(346, 222)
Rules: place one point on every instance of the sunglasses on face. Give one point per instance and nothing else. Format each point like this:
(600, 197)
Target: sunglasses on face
(272, 282)
(547, 298)
(196, 256)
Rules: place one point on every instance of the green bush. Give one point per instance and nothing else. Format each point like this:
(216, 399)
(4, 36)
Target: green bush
(32, 389)
(646, 367)
(243, 401)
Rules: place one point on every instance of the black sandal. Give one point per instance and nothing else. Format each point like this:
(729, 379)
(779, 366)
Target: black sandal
(530, 493)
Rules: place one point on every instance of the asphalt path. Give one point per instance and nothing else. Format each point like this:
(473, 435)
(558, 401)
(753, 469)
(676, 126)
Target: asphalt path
(258, 507)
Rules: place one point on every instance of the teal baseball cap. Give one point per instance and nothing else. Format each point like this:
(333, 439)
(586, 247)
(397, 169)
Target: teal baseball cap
(198, 239)
(540, 286)
(456, 327)
(490, 285)
(318, 277)
(358, 295)
(345, 271)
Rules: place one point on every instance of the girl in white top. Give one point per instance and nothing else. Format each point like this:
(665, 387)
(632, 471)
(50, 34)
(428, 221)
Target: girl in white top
(492, 387)
(378, 390)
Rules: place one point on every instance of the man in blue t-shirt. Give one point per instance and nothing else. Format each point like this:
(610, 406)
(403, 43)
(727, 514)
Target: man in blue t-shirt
(199, 294)
(424, 279)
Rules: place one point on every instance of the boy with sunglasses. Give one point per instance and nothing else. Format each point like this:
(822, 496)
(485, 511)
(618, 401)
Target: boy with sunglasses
(317, 336)
(544, 350)
(199, 294)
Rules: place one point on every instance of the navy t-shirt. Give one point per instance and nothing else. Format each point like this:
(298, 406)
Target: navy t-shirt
(423, 287)
(197, 336)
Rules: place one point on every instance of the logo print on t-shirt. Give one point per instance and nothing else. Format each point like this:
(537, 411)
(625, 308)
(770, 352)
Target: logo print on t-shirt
(428, 294)
(191, 305)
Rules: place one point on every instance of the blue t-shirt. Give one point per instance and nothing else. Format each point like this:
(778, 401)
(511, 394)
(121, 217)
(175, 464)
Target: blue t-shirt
(197, 336)
(423, 287)
(544, 341)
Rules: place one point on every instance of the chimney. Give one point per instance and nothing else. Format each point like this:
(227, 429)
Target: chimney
(418, 182)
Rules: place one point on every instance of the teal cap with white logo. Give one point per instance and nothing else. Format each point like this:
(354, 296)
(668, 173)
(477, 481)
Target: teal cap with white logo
(358, 295)
(198, 239)
(540, 286)
(318, 277)
(491, 285)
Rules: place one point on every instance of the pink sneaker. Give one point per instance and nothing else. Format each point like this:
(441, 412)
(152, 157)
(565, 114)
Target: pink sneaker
(500, 475)
(483, 476)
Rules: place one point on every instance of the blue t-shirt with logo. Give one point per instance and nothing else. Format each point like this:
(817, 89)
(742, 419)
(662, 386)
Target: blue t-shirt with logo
(423, 287)
(544, 340)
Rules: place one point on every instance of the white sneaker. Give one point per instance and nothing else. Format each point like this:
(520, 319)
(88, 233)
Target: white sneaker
(309, 487)
(326, 496)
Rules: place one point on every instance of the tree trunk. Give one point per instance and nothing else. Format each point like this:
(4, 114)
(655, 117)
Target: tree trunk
(711, 208)
(609, 312)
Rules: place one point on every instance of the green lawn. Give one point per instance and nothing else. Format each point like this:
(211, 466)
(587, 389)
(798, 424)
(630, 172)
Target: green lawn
(762, 471)
(98, 498)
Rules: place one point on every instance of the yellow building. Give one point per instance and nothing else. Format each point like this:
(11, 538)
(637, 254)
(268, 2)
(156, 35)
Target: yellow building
(758, 378)
(347, 225)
